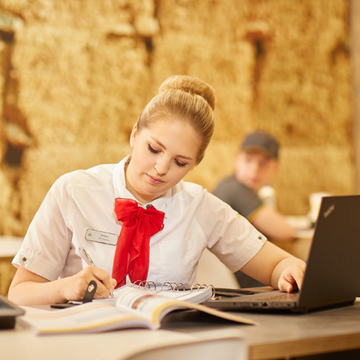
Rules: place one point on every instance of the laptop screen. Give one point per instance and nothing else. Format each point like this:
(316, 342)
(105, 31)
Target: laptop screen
(333, 270)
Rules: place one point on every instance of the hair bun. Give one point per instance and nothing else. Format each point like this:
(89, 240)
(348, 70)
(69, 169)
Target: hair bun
(191, 85)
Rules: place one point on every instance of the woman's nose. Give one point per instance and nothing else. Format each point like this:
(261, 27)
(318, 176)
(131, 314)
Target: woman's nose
(162, 166)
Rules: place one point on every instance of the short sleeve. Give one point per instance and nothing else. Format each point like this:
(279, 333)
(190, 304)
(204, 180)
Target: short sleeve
(46, 245)
(230, 236)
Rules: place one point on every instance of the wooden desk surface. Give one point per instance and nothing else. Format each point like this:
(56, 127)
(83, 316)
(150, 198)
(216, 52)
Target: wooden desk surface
(131, 344)
(279, 336)
(274, 337)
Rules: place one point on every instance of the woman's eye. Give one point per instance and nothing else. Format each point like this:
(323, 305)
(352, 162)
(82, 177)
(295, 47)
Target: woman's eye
(178, 163)
(153, 150)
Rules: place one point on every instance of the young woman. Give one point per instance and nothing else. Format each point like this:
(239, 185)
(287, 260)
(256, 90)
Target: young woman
(138, 219)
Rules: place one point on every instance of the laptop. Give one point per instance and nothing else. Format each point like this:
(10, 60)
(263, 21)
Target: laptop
(332, 275)
(8, 313)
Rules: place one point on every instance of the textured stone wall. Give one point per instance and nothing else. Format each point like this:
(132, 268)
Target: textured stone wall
(75, 75)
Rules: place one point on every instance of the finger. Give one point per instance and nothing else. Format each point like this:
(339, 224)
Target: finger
(102, 276)
(101, 292)
(298, 275)
(284, 285)
(113, 284)
(290, 279)
(104, 284)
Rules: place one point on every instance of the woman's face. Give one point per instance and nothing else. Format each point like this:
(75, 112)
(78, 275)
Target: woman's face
(162, 155)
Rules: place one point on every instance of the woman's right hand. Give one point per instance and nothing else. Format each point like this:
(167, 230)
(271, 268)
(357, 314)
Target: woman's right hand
(28, 288)
(74, 287)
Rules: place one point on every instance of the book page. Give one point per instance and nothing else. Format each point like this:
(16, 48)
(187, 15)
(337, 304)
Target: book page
(133, 307)
(154, 306)
(96, 316)
(196, 295)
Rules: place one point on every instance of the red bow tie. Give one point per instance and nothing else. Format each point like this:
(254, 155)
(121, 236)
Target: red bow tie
(132, 249)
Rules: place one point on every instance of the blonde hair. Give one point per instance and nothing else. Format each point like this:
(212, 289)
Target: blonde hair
(188, 99)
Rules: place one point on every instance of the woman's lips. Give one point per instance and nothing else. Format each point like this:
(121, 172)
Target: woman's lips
(153, 180)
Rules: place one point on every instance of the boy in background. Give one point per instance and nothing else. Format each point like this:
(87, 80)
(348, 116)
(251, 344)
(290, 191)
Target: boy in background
(256, 164)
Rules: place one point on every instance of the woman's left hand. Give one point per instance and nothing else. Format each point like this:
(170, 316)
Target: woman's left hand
(291, 278)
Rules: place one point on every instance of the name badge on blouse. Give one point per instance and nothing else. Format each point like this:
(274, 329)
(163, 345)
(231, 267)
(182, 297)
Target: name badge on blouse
(101, 237)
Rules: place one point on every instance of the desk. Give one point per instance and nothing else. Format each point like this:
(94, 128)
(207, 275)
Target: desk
(279, 336)
(275, 337)
(22, 343)
(289, 335)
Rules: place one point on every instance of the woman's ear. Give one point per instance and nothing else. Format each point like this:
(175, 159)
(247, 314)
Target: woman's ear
(133, 135)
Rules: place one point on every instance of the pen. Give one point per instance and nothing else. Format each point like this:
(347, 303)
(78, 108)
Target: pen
(89, 261)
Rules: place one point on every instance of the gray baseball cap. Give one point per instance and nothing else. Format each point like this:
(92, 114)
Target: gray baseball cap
(263, 142)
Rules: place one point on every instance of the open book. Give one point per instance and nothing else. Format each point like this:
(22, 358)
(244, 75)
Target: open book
(132, 307)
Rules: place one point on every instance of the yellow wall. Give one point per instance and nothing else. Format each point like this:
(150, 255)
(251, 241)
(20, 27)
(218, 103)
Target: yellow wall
(75, 75)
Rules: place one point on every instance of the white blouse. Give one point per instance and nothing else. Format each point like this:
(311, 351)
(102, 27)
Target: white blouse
(78, 211)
